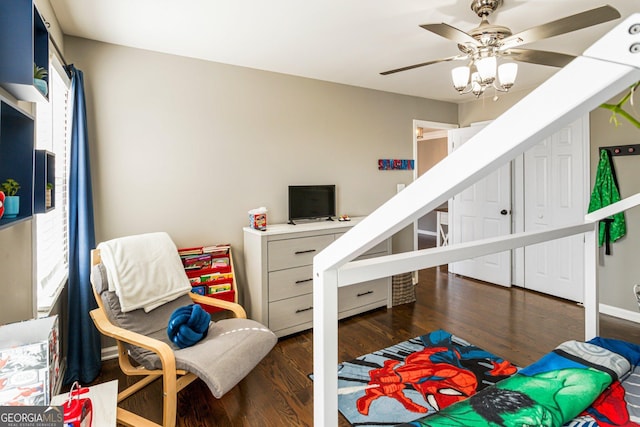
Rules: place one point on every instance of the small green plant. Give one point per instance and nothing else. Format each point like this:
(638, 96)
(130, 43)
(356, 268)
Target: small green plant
(10, 187)
(617, 110)
(39, 72)
(49, 186)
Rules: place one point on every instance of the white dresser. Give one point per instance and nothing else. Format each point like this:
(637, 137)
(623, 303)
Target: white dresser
(279, 270)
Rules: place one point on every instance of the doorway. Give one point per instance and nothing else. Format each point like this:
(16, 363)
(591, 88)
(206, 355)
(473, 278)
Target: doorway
(430, 146)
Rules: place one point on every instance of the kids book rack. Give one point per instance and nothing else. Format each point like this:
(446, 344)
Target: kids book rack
(210, 271)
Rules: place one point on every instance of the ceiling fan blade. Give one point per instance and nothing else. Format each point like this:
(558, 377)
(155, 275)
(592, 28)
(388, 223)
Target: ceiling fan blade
(411, 67)
(563, 26)
(451, 33)
(542, 57)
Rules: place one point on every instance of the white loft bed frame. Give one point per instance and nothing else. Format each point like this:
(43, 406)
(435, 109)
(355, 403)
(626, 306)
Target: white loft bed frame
(607, 68)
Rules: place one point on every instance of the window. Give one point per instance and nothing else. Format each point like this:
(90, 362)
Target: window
(51, 236)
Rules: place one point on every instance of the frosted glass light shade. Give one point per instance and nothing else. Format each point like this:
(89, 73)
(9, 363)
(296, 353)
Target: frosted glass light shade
(486, 69)
(507, 73)
(460, 77)
(476, 86)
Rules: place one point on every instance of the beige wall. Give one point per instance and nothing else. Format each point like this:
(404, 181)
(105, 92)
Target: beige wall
(430, 152)
(188, 146)
(485, 109)
(619, 272)
(16, 280)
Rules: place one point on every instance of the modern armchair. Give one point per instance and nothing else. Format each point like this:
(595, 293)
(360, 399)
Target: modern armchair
(230, 350)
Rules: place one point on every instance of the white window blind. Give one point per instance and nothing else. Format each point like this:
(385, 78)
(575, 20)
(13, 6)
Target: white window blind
(52, 134)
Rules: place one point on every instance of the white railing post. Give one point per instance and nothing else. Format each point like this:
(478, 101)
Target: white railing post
(591, 305)
(325, 348)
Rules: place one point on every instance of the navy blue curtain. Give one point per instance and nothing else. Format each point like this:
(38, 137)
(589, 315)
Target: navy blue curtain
(83, 355)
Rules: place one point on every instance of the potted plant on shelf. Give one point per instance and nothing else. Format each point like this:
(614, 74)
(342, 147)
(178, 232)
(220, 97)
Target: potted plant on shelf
(39, 75)
(12, 201)
(47, 196)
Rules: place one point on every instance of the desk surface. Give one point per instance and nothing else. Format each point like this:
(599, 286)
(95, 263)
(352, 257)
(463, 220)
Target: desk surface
(104, 400)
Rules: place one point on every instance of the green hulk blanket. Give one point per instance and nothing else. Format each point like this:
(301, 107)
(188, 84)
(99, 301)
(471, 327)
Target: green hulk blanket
(549, 392)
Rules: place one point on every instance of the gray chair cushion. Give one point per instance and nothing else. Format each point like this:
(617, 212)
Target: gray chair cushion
(231, 349)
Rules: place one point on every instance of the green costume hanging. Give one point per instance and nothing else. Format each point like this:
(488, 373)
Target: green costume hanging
(605, 192)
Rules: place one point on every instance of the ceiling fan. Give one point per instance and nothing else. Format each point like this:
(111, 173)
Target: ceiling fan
(482, 46)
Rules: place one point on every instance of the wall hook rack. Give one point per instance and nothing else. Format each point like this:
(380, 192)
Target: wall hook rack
(623, 150)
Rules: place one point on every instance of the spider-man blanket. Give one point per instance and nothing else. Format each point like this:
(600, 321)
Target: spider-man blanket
(421, 376)
(408, 380)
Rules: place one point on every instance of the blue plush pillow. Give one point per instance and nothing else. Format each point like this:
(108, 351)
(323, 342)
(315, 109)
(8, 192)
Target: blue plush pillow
(188, 325)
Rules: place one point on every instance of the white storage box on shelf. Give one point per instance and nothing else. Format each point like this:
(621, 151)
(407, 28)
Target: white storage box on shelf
(29, 362)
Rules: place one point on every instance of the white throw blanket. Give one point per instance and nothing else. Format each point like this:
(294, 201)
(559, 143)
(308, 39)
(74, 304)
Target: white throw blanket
(145, 270)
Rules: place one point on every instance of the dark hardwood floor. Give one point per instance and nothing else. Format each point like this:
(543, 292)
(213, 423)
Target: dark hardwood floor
(513, 323)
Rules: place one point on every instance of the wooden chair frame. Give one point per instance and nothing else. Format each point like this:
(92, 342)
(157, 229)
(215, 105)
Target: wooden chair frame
(173, 380)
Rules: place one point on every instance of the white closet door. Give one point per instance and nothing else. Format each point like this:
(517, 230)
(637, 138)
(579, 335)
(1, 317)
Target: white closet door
(556, 193)
(481, 211)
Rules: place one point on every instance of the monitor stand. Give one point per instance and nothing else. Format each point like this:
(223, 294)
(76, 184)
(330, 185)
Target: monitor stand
(311, 219)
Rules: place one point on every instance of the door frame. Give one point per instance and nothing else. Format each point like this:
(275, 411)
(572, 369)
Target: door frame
(436, 126)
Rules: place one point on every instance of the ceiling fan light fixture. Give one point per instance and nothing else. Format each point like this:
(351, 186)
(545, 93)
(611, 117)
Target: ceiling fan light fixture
(484, 45)
(486, 69)
(460, 77)
(483, 75)
(507, 73)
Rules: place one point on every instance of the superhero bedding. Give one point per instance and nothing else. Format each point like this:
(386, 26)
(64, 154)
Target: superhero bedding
(439, 379)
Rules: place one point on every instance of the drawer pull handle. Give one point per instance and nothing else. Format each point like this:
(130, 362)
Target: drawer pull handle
(364, 293)
(302, 310)
(308, 251)
(298, 282)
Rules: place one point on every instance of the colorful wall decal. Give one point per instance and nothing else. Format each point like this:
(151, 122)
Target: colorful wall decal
(395, 164)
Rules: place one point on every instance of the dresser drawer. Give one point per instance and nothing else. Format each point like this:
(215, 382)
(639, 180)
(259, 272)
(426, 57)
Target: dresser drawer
(378, 250)
(361, 294)
(296, 252)
(290, 312)
(290, 282)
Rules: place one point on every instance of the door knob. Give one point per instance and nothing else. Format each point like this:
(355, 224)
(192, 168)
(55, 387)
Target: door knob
(504, 212)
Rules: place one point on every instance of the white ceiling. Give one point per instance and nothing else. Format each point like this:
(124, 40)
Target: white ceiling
(343, 41)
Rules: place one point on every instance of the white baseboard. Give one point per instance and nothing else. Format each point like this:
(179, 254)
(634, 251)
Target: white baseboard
(620, 313)
(427, 233)
(109, 353)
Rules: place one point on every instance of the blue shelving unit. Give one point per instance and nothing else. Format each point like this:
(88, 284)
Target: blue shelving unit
(24, 42)
(44, 173)
(17, 157)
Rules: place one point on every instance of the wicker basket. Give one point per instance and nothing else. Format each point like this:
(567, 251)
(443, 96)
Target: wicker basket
(403, 291)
